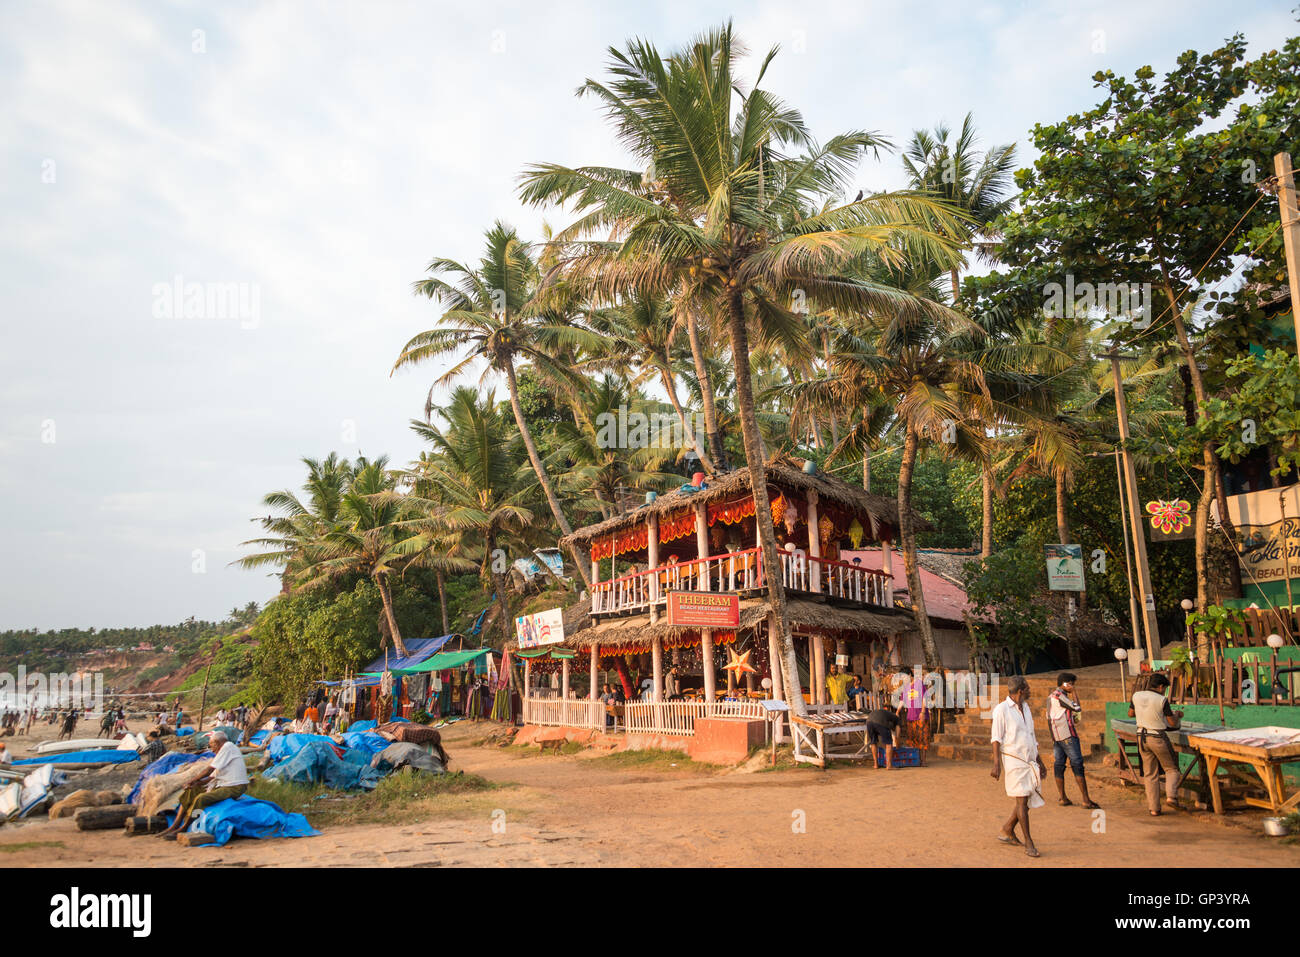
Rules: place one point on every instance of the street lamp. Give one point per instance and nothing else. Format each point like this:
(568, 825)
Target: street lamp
(1187, 606)
(1274, 642)
(1121, 656)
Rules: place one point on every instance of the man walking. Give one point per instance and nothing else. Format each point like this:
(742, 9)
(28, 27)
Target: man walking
(1063, 710)
(1016, 761)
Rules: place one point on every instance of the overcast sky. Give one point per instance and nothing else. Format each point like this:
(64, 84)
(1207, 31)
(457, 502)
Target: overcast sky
(320, 155)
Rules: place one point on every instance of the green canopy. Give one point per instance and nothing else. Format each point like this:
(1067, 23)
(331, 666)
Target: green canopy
(543, 652)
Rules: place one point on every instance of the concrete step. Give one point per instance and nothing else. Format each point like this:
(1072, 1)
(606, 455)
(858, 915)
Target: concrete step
(982, 752)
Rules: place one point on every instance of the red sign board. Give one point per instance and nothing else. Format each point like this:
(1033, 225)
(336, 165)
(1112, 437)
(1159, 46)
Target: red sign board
(702, 609)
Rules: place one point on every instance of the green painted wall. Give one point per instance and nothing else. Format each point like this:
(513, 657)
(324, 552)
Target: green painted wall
(1244, 716)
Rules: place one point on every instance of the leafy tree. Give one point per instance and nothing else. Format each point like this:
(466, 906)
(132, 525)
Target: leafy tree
(1007, 586)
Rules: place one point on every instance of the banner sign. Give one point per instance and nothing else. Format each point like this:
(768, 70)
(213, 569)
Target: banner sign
(1064, 567)
(702, 609)
(1266, 550)
(542, 628)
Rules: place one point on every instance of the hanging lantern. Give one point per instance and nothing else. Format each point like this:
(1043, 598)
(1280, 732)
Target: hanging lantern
(856, 533)
(779, 507)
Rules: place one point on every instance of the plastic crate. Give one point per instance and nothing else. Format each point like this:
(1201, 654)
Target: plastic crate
(903, 757)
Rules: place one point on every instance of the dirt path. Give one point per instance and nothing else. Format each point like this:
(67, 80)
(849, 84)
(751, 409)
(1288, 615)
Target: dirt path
(576, 810)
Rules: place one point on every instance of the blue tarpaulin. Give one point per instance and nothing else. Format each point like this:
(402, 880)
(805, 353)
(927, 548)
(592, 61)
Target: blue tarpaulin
(183, 732)
(362, 726)
(165, 765)
(249, 817)
(258, 738)
(317, 763)
(105, 756)
(366, 741)
(231, 733)
(418, 649)
(287, 745)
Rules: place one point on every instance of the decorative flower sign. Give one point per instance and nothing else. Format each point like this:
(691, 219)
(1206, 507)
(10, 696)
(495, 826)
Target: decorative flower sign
(1170, 517)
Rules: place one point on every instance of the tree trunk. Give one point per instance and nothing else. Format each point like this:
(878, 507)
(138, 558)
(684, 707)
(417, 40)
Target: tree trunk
(1202, 560)
(1211, 461)
(499, 583)
(706, 389)
(986, 525)
(866, 471)
(956, 286)
(551, 498)
(386, 597)
(442, 603)
(762, 508)
(687, 432)
(907, 533)
(1063, 533)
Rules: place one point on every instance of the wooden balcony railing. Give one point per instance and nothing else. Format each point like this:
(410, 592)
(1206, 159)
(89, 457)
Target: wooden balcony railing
(742, 571)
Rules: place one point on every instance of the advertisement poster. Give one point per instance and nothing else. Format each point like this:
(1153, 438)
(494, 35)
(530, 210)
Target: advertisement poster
(542, 628)
(1064, 567)
(1265, 551)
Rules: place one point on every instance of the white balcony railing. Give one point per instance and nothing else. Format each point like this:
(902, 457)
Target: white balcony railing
(742, 571)
(564, 712)
(679, 717)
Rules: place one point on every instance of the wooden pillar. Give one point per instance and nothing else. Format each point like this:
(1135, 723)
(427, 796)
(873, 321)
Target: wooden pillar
(652, 560)
(657, 668)
(595, 660)
(706, 653)
(528, 687)
(564, 679)
(774, 658)
(887, 566)
(814, 544)
(817, 669)
(702, 545)
(595, 580)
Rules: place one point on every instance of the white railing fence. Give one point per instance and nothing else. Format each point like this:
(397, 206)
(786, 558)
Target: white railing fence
(564, 713)
(742, 571)
(679, 717)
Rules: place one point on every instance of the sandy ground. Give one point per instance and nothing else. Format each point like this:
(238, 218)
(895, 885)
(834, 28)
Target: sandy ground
(572, 810)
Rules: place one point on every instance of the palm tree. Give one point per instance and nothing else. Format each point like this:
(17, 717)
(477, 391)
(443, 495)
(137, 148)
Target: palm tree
(295, 523)
(474, 487)
(363, 541)
(978, 185)
(491, 314)
(720, 223)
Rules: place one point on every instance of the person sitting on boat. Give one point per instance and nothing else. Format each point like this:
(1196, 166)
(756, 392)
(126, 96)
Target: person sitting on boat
(5, 757)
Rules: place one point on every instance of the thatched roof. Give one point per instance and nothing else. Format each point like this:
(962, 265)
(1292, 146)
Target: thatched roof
(784, 474)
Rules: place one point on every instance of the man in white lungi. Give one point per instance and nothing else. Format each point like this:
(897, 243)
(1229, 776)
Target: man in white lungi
(1016, 761)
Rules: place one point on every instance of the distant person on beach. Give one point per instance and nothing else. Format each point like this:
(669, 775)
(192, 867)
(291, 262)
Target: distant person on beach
(154, 749)
(106, 725)
(69, 725)
(1063, 711)
(1016, 761)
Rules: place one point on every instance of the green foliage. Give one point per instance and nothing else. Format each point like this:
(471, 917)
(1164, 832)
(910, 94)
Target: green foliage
(940, 487)
(1220, 623)
(1008, 586)
(1262, 410)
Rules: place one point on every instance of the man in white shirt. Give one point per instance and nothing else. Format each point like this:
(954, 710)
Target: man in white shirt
(1016, 761)
(226, 777)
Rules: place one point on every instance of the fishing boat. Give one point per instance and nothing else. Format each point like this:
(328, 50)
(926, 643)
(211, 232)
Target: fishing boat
(78, 744)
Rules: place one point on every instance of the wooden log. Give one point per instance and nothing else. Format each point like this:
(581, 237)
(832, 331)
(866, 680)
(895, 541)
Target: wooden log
(194, 838)
(140, 824)
(102, 818)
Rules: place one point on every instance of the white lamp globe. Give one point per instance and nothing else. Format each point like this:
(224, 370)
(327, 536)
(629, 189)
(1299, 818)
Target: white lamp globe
(1121, 654)
(1187, 604)
(766, 683)
(1274, 641)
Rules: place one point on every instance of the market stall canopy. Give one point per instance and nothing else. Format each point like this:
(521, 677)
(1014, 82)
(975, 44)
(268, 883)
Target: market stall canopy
(417, 651)
(444, 661)
(553, 652)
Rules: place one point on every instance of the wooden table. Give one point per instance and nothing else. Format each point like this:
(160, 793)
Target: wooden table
(1130, 761)
(810, 737)
(1262, 750)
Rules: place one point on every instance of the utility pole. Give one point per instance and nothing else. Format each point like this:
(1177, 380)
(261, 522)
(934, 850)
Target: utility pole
(1148, 598)
(1290, 216)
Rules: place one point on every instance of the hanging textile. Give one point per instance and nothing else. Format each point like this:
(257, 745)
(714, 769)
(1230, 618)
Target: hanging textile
(731, 513)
